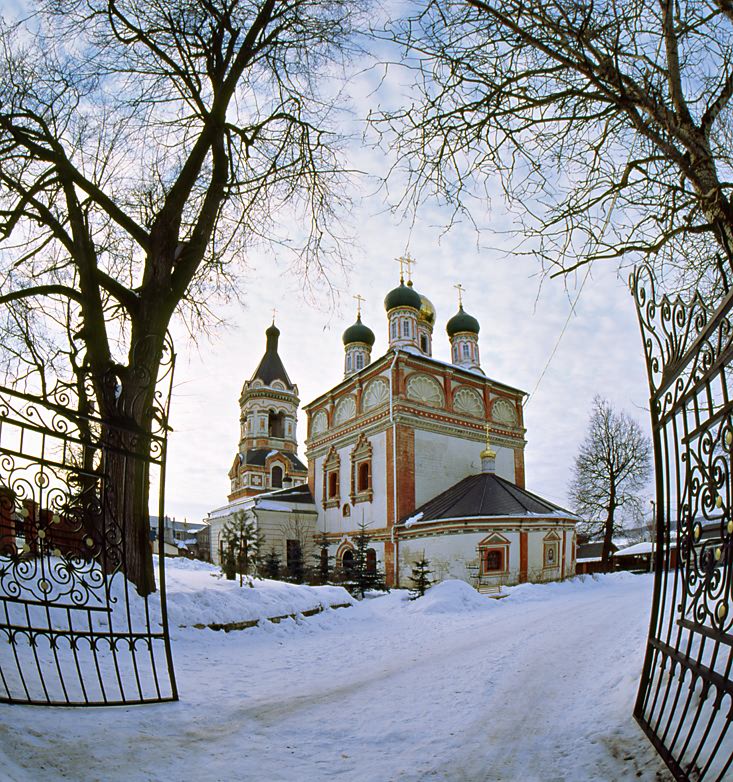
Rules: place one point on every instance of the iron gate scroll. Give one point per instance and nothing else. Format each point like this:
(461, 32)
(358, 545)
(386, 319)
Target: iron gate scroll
(73, 629)
(685, 699)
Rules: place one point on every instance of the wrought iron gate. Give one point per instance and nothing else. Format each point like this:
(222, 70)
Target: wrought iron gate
(685, 700)
(73, 630)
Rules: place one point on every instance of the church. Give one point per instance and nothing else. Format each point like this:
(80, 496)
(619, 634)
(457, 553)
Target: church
(427, 454)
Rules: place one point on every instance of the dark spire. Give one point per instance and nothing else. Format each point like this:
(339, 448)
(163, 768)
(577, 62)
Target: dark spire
(271, 366)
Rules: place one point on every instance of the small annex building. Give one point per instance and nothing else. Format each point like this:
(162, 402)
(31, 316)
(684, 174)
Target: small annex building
(490, 532)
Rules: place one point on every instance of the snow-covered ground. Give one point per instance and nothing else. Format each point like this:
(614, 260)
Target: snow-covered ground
(455, 687)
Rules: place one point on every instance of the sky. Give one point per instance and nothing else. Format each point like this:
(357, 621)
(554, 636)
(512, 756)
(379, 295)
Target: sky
(521, 316)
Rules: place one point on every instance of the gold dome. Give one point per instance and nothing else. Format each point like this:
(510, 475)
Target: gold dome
(427, 311)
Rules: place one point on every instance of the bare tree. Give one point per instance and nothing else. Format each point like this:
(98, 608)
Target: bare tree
(612, 468)
(606, 124)
(145, 148)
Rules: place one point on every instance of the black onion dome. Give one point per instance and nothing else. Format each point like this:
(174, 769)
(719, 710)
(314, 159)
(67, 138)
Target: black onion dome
(358, 333)
(462, 321)
(403, 296)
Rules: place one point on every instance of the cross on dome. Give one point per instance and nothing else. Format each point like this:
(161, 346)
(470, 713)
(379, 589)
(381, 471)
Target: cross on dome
(274, 312)
(488, 452)
(406, 260)
(460, 290)
(359, 299)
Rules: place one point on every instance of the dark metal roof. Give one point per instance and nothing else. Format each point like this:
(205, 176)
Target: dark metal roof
(271, 366)
(258, 456)
(592, 550)
(485, 494)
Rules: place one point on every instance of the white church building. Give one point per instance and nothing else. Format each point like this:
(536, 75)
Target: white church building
(429, 455)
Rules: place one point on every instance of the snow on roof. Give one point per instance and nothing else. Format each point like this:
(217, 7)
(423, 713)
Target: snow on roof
(409, 522)
(270, 505)
(588, 559)
(638, 548)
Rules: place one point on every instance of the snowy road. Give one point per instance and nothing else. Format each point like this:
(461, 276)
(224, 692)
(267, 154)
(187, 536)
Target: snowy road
(538, 686)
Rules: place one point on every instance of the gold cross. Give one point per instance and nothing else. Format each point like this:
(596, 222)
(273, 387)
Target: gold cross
(406, 260)
(460, 290)
(359, 300)
(489, 451)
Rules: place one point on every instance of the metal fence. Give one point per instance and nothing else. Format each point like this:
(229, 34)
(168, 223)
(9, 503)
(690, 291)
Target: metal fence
(74, 629)
(685, 700)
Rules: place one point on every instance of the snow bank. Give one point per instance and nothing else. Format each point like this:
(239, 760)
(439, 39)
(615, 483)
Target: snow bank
(450, 597)
(199, 594)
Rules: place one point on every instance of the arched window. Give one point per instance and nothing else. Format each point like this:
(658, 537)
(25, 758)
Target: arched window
(493, 560)
(455, 352)
(405, 328)
(362, 483)
(277, 424)
(466, 350)
(348, 361)
(276, 477)
(371, 561)
(347, 560)
(424, 343)
(333, 484)
(394, 329)
(360, 361)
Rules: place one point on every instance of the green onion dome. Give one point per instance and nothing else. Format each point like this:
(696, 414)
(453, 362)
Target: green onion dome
(358, 333)
(462, 321)
(403, 296)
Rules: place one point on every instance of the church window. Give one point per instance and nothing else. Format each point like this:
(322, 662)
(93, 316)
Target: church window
(276, 477)
(359, 360)
(371, 561)
(455, 352)
(466, 350)
(363, 480)
(348, 362)
(424, 343)
(346, 510)
(394, 329)
(361, 471)
(331, 479)
(347, 560)
(493, 560)
(405, 328)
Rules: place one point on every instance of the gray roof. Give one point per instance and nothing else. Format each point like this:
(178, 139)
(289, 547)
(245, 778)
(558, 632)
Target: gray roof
(299, 493)
(258, 457)
(486, 494)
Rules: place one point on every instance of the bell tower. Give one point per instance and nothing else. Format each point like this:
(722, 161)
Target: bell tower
(268, 405)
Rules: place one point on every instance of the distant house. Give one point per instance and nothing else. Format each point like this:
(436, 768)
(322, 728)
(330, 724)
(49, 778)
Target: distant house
(640, 556)
(179, 537)
(589, 558)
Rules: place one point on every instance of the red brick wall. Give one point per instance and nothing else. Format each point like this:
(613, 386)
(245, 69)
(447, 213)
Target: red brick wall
(519, 467)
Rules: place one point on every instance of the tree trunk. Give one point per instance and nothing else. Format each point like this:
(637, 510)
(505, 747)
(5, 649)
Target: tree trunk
(607, 539)
(127, 410)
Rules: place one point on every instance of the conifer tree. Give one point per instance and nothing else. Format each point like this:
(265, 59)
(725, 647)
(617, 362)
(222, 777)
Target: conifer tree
(420, 578)
(243, 543)
(323, 568)
(271, 565)
(364, 574)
